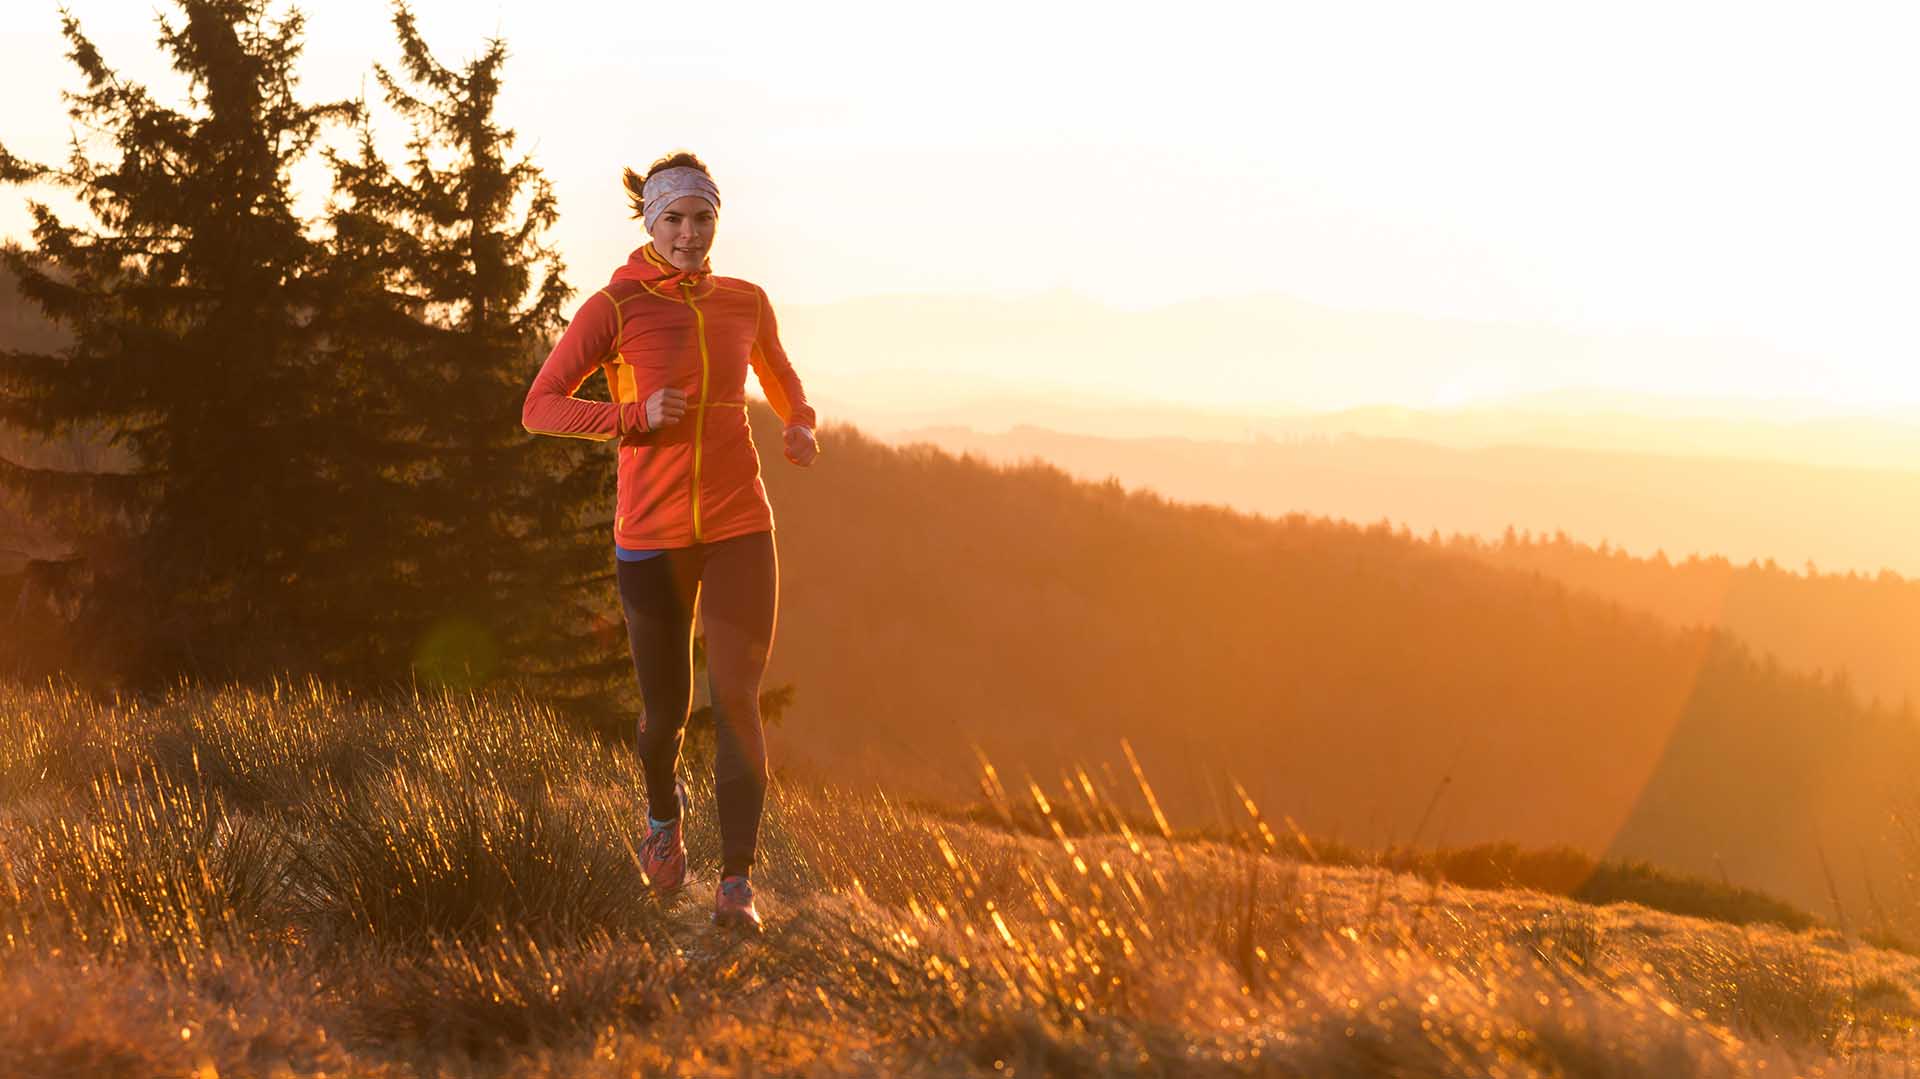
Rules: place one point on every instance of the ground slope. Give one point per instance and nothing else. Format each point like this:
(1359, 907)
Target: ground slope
(293, 881)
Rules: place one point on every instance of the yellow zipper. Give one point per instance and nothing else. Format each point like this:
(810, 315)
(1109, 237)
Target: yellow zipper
(700, 410)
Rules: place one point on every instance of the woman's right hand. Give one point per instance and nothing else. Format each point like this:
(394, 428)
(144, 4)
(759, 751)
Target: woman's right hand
(665, 407)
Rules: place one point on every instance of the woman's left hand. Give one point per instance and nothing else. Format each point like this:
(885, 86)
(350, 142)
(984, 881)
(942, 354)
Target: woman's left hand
(801, 448)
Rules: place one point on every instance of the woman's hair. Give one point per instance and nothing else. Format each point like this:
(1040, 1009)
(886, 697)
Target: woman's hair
(634, 182)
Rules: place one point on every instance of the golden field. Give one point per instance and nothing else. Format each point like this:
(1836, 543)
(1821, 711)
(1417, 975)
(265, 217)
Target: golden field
(296, 881)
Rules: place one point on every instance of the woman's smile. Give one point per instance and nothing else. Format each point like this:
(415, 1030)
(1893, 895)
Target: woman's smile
(684, 231)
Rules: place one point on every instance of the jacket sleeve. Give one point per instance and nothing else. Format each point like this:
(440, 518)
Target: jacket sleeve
(551, 408)
(777, 379)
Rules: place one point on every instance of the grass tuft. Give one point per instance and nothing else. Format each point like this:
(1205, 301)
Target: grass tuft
(412, 857)
(504, 994)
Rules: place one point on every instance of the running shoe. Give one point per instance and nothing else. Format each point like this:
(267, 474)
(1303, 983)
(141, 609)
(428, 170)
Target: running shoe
(663, 855)
(733, 907)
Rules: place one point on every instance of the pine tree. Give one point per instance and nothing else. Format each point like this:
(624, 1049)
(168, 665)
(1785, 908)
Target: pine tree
(186, 298)
(500, 564)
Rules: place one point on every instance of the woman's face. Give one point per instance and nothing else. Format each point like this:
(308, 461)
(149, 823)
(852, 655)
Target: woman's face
(684, 231)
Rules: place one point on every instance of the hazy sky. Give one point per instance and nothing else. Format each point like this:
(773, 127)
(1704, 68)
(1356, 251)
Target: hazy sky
(1736, 170)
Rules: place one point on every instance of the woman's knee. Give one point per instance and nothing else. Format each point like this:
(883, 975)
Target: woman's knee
(660, 734)
(739, 744)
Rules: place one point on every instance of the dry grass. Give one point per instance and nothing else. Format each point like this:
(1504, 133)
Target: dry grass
(296, 882)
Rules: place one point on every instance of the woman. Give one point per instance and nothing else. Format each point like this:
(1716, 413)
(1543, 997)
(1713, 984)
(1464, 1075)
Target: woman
(692, 523)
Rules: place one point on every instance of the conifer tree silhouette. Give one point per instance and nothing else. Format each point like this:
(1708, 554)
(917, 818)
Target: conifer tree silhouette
(186, 298)
(499, 562)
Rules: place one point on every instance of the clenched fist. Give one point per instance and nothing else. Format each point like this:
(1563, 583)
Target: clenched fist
(665, 407)
(801, 448)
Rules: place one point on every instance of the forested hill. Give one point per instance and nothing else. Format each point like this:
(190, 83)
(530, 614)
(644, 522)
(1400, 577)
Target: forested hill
(1723, 541)
(1863, 628)
(1348, 676)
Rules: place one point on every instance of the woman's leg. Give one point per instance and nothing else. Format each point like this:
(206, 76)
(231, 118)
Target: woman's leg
(739, 593)
(658, 595)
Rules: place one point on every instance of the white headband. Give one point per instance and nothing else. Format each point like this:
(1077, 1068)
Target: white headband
(667, 185)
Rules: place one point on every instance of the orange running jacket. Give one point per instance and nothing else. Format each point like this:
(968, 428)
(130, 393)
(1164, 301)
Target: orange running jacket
(656, 326)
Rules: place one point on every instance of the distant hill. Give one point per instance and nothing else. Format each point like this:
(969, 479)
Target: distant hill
(900, 405)
(1861, 628)
(1838, 518)
(1235, 367)
(1643, 424)
(1349, 676)
(1693, 540)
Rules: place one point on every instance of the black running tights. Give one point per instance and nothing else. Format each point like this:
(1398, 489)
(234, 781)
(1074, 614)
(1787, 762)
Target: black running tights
(735, 584)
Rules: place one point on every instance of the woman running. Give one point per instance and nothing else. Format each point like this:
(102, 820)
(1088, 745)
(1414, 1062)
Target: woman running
(692, 523)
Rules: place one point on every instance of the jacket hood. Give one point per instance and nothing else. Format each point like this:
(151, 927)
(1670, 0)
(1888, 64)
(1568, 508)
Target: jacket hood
(648, 267)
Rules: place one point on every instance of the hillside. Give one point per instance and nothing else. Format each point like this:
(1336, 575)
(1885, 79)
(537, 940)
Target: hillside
(1863, 627)
(292, 881)
(1842, 518)
(1350, 677)
(1618, 524)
